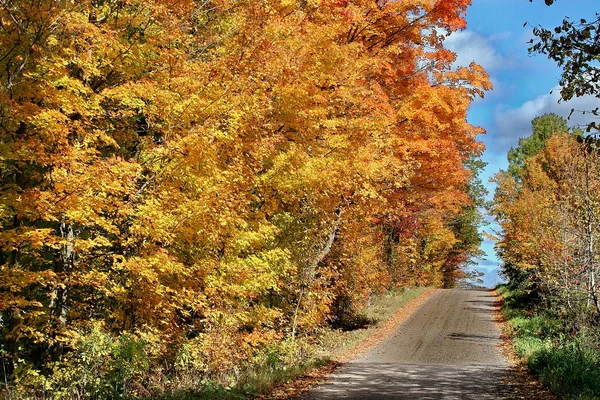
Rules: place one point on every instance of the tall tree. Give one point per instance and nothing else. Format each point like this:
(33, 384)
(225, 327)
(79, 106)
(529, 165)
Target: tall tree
(550, 226)
(206, 179)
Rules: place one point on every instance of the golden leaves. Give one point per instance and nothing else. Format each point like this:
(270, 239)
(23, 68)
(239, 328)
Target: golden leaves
(179, 166)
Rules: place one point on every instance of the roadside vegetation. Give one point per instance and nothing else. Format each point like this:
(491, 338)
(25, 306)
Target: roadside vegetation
(275, 364)
(547, 203)
(565, 361)
(289, 360)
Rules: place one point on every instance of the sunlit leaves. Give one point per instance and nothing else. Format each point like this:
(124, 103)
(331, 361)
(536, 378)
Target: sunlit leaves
(549, 220)
(225, 172)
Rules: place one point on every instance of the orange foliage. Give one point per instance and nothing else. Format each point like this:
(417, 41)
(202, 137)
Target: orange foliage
(221, 171)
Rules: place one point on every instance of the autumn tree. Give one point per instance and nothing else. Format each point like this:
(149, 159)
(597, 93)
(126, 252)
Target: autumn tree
(197, 181)
(549, 221)
(466, 227)
(542, 128)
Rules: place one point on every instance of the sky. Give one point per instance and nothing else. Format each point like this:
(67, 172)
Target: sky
(524, 85)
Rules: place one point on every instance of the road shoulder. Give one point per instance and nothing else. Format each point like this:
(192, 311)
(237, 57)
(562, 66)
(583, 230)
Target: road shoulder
(524, 384)
(302, 384)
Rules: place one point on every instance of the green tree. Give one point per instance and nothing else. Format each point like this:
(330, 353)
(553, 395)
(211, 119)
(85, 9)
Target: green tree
(542, 128)
(465, 227)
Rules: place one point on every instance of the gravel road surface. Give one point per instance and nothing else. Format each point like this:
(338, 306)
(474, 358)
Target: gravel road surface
(448, 349)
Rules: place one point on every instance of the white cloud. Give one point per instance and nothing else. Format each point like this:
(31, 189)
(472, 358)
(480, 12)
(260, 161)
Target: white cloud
(492, 278)
(514, 123)
(471, 46)
(491, 272)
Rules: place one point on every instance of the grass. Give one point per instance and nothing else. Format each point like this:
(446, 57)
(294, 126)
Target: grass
(328, 344)
(568, 364)
(571, 370)
(334, 343)
(251, 383)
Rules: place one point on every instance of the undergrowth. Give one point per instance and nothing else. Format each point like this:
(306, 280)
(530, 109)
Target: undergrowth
(567, 362)
(109, 369)
(290, 360)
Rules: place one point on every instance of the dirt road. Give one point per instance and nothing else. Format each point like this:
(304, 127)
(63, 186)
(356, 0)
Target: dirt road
(447, 350)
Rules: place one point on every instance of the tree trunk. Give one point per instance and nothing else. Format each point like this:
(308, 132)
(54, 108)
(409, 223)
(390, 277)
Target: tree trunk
(309, 273)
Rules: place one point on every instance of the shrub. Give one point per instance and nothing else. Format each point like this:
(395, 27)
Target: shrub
(101, 366)
(570, 370)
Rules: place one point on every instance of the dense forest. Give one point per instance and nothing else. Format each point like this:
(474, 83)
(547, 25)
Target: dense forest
(186, 185)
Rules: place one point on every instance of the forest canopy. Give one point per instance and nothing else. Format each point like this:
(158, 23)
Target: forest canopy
(186, 183)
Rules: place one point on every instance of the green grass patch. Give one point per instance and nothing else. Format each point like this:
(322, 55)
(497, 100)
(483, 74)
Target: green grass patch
(571, 371)
(252, 382)
(568, 364)
(526, 346)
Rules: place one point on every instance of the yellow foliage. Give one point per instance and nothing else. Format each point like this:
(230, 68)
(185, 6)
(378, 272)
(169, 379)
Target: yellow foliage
(198, 181)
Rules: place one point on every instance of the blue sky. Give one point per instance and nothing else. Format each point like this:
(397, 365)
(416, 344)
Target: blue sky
(496, 39)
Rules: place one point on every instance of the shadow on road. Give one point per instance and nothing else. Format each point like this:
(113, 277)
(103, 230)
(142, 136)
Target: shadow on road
(487, 303)
(478, 310)
(419, 382)
(492, 340)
